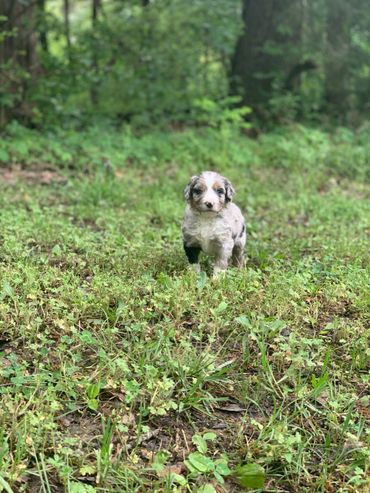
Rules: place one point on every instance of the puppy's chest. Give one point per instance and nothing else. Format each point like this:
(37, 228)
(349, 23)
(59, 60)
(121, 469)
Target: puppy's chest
(209, 232)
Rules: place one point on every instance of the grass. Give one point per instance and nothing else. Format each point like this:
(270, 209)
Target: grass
(120, 370)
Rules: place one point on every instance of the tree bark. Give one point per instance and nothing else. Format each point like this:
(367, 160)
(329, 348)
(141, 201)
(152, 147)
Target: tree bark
(18, 57)
(264, 51)
(43, 35)
(94, 95)
(338, 45)
(21, 45)
(67, 29)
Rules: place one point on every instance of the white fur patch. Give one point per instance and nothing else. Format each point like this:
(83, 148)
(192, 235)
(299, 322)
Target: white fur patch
(210, 195)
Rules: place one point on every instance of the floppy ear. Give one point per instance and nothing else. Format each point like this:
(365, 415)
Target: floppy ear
(229, 190)
(189, 186)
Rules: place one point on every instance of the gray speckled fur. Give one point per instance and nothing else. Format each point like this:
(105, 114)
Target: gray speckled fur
(220, 231)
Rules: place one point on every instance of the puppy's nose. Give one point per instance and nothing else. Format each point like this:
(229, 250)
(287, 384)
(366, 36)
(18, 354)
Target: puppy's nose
(209, 205)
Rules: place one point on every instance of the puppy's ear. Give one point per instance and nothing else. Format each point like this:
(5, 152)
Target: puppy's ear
(229, 190)
(189, 186)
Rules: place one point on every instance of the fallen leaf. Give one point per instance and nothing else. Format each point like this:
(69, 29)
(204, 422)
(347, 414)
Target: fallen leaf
(173, 469)
(231, 408)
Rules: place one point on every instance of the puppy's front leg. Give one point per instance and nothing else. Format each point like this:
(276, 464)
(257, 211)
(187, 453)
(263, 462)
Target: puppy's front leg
(192, 254)
(223, 255)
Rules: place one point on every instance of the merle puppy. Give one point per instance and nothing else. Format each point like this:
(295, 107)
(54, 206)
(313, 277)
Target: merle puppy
(212, 222)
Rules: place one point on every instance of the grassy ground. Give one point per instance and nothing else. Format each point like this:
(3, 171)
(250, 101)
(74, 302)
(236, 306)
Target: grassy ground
(123, 372)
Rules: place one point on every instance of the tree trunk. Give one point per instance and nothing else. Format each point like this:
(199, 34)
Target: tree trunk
(267, 49)
(18, 58)
(67, 29)
(337, 63)
(94, 96)
(42, 28)
(21, 46)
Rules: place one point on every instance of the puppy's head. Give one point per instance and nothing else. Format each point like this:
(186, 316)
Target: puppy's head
(209, 192)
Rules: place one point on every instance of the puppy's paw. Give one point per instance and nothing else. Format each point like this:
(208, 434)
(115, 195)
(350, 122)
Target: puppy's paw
(194, 268)
(218, 272)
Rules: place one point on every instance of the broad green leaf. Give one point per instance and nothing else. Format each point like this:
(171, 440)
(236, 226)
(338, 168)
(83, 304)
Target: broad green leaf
(87, 337)
(222, 467)
(87, 469)
(93, 404)
(244, 321)
(199, 462)
(202, 281)
(221, 307)
(207, 488)
(56, 250)
(179, 479)
(219, 478)
(6, 290)
(81, 488)
(93, 390)
(200, 443)
(250, 475)
(160, 460)
(210, 436)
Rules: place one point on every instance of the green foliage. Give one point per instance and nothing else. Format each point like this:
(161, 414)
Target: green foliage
(312, 64)
(200, 464)
(145, 63)
(250, 476)
(161, 61)
(201, 441)
(343, 154)
(77, 487)
(221, 114)
(5, 485)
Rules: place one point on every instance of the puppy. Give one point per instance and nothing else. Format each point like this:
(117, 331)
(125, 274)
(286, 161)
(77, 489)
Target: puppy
(212, 223)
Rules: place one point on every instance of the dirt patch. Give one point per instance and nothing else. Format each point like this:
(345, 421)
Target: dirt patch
(39, 175)
(341, 308)
(330, 310)
(34, 484)
(351, 189)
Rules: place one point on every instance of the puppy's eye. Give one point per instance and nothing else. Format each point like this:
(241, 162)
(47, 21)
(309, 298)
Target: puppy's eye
(220, 191)
(197, 191)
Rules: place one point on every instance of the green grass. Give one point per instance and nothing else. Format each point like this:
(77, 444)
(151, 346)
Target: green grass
(115, 360)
